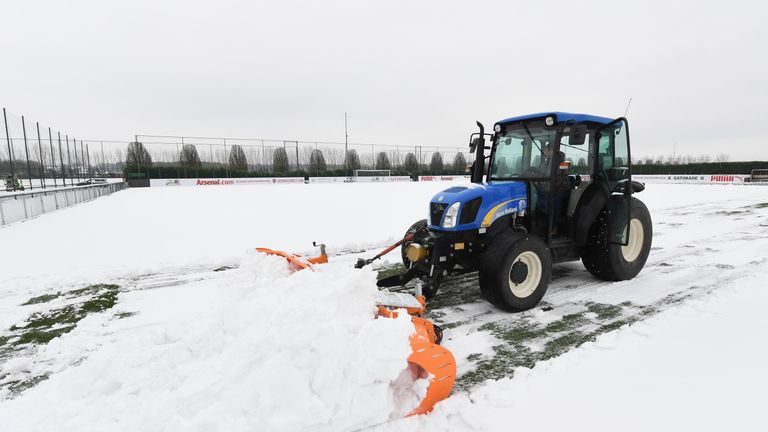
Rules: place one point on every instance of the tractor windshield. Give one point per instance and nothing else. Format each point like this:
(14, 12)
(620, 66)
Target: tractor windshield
(523, 151)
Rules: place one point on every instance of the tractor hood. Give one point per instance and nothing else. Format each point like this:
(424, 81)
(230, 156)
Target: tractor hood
(479, 205)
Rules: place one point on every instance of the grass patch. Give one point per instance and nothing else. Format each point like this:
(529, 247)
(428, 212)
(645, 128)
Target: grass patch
(39, 337)
(605, 311)
(566, 323)
(45, 298)
(474, 357)
(522, 336)
(42, 327)
(761, 205)
(390, 270)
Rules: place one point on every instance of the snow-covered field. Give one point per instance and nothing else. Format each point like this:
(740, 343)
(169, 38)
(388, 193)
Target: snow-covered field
(146, 310)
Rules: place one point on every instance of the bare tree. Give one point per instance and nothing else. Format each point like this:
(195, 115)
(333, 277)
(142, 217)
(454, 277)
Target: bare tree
(237, 159)
(137, 154)
(436, 163)
(411, 165)
(189, 156)
(316, 162)
(459, 163)
(382, 161)
(280, 161)
(352, 160)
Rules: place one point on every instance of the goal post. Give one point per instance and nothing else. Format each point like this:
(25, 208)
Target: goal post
(373, 173)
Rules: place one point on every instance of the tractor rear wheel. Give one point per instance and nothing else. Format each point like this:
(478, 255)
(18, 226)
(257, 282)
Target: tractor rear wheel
(515, 272)
(614, 262)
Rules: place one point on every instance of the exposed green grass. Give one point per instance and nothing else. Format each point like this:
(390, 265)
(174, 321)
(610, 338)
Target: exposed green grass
(41, 327)
(474, 356)
(556, 338)
(390, 270)
(606, 311)
(45, 298)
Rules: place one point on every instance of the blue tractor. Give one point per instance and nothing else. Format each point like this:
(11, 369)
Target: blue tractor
(555, 187)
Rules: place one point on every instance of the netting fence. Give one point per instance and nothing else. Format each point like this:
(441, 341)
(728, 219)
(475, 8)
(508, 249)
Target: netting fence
(35, 155)
(238, 157)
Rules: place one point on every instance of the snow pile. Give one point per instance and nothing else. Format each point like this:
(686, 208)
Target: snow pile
(255, 348)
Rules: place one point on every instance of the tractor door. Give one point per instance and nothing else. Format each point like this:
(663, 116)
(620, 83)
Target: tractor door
(613, 172)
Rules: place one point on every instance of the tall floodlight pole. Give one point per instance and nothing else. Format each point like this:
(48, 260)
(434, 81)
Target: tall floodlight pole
(136, 150)
(346, 146)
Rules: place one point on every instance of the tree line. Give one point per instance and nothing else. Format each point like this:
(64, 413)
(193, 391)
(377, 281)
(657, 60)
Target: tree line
(189, 164)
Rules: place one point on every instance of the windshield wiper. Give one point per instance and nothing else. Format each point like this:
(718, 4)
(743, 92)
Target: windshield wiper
(533, 141)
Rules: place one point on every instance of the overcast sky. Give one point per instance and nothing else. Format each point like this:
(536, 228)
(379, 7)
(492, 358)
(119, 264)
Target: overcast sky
(407, 72)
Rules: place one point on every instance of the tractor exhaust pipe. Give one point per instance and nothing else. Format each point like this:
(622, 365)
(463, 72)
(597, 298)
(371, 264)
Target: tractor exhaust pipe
(477, 171)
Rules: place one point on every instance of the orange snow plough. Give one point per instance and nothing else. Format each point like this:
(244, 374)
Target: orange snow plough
(428, 360)
(297, 262)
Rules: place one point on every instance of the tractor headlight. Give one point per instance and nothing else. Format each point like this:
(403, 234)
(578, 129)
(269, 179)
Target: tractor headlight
(451, 215)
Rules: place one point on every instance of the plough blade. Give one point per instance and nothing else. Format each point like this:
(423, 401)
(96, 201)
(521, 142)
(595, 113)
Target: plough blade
(297, 262)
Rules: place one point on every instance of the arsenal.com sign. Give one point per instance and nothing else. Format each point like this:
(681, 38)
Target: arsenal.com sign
(226, 182)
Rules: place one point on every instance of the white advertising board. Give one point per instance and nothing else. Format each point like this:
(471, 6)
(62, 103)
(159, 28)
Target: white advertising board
(225, 181)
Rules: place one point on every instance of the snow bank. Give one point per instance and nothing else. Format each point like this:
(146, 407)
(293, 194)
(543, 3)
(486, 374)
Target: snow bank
(252, 349)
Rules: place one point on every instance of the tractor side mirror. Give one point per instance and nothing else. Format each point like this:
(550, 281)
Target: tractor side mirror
(474, 140)
(578, 135)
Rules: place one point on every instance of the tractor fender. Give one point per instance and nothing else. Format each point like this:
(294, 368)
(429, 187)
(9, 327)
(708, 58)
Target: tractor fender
(591, 203)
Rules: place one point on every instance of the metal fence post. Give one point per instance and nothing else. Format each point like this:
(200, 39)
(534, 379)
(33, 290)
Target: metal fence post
(53, 157)
(82, 158)
(69, 164)
(40, 150)
(88, 154)
(26, 151)
(77, 162)
(61, 158)
(10, 153)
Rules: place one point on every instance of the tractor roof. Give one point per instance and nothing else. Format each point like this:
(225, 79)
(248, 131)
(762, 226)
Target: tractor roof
(561, 117)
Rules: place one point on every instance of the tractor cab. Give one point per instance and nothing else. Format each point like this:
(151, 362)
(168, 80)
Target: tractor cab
(561, 156)
(554, 187)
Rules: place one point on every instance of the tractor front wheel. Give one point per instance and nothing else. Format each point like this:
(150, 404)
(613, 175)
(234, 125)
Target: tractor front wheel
(515, 272)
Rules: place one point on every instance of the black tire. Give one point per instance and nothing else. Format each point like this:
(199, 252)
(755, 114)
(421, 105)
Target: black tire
(501, 263)
(420, 228)
(612, 262)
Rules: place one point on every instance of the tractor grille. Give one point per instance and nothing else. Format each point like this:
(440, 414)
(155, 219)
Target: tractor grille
(436, 212)
(469, 211)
